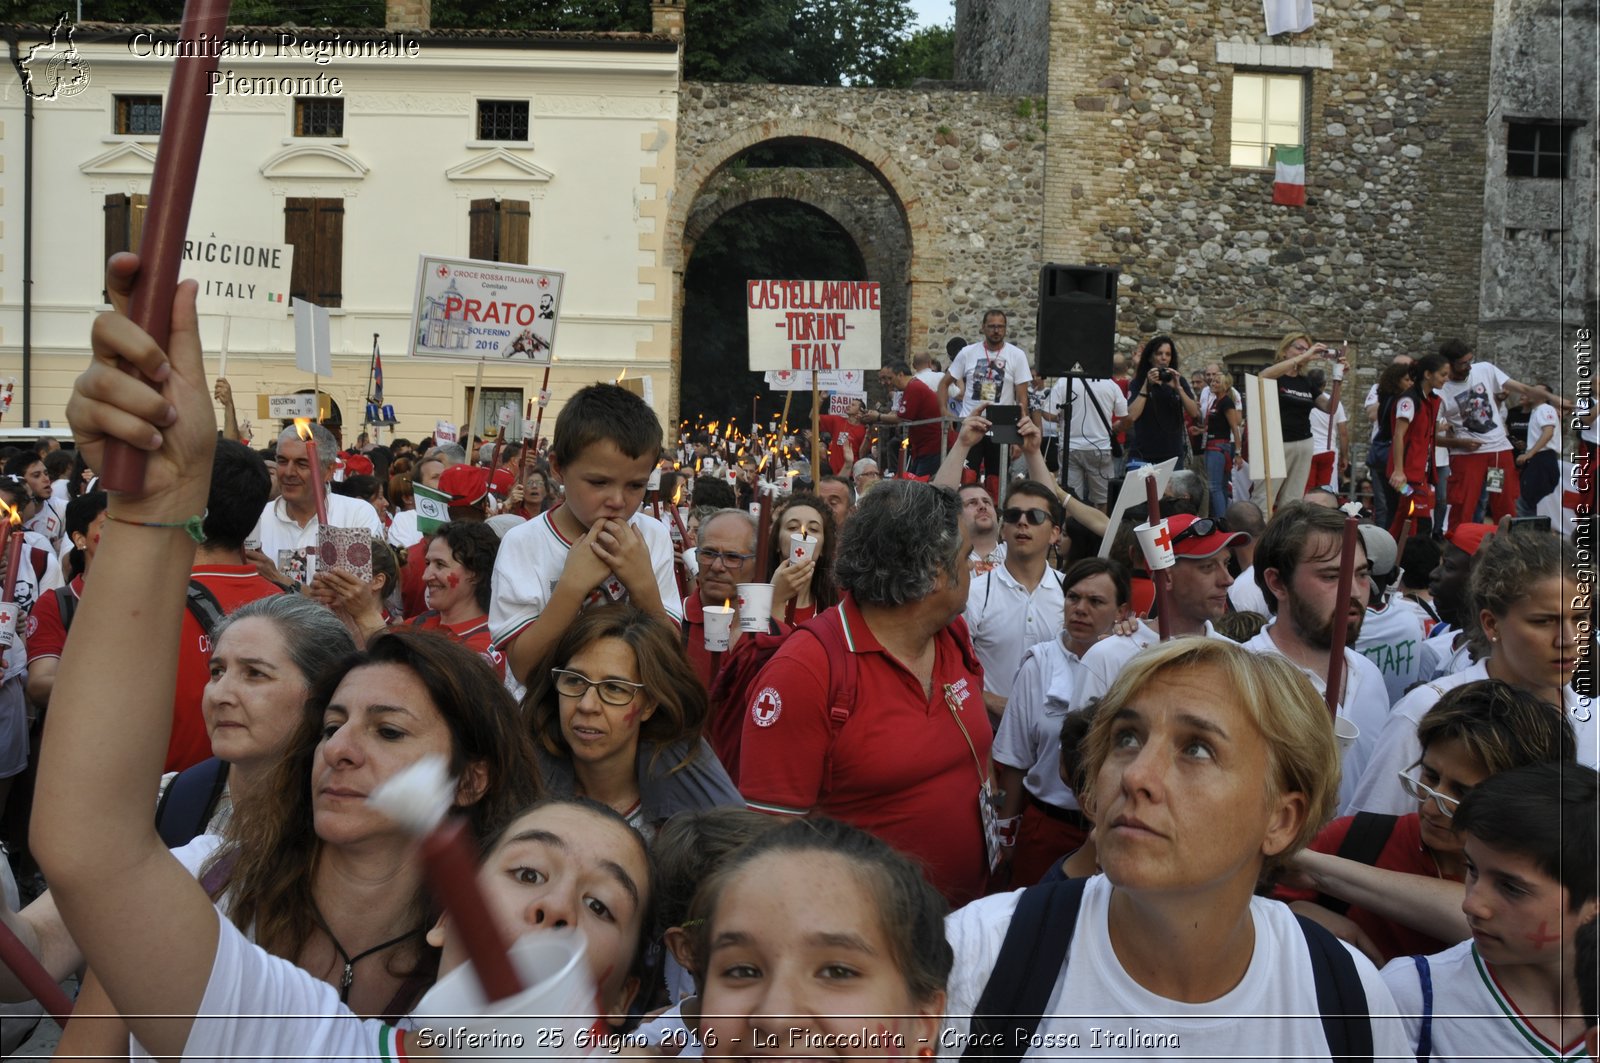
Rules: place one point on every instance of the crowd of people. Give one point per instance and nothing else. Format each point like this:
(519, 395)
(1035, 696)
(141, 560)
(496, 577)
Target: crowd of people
(877, 761)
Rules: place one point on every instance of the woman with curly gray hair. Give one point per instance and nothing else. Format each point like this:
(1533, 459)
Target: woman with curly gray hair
(873, 712)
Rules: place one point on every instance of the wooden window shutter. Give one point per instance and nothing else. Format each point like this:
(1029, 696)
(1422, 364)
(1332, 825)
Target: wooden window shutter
(514, 215)
(300, 233)
(329, 275)
(481, 224)
(117, 212)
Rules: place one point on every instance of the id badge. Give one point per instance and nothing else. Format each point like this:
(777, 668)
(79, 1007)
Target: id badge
(988, 391)
(1495, 481)
(989, 815)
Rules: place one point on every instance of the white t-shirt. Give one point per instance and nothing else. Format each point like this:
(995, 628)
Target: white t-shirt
(1391, 638)
(1472, 1017)
(403, 530)
(1471, 409)
(1319, 429)
(277, 532)
(1398, 748)
(1367, 404)
(51, 520)
(1440, 654)
(1246, 597)
(1004, 619)
(260, 1006)
(1106, 658)
(950, 402)
(989, 376)
(1544, 414)
(1030, 731)
(532, 557)
(1096, 1011)
(1365, 704)
(1086, 429)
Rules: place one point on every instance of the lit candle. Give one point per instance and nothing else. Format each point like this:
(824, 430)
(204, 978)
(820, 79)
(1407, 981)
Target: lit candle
(15, 546)
(303, 427)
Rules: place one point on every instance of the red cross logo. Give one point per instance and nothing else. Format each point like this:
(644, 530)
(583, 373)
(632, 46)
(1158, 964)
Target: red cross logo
(799, 553)
(443, 271)
(1539, 937)
(544, 282)
(1164, 540)
(5, 616)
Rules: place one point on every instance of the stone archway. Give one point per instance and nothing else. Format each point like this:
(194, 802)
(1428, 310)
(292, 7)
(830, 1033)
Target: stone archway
(850, 197)
(923, 269)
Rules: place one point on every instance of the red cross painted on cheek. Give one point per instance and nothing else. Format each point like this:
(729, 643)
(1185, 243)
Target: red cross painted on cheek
(1540, 938)
(453, 581)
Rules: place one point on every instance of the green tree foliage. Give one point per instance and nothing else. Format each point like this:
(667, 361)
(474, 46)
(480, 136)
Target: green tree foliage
(929, 53)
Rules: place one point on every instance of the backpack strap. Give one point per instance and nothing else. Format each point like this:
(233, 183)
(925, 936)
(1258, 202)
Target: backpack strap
(204, 607)
(186, 806)
(1032, 957)
(1369, 832)
(66, 606)
(1425, 1035)
(1341, 998)
(828, 629)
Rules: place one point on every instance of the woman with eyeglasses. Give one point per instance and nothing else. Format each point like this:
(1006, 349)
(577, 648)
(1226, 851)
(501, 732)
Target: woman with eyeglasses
(1475, 731)
(1528, 623)
(616, 712)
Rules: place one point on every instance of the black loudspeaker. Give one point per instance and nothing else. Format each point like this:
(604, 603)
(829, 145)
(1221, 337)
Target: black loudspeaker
(1077, 328)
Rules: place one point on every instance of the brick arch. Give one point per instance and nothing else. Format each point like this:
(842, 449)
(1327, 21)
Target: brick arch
(925, 272)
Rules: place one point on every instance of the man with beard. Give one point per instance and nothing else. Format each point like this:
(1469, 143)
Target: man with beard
(983, 528)
(1297, 568)
(1019, 603)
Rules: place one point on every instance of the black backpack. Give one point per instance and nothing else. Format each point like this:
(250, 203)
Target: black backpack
(1035, 951)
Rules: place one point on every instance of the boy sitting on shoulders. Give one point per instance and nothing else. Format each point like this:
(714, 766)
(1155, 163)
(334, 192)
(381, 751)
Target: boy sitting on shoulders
(594, 548)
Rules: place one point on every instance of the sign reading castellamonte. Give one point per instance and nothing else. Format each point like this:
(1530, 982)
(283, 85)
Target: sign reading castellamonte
(284, 44)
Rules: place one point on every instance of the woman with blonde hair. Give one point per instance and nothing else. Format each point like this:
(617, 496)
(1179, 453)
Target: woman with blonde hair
(1207, 765)
(1296, 399)
(1223, 428)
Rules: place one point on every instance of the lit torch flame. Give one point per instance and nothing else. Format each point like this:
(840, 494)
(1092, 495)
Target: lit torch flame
(622, 374)
(15, 516)
(906, 442)
(302, 427)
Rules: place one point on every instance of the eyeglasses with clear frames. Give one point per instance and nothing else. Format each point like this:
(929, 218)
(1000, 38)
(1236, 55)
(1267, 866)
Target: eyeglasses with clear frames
(1419, 790)
(572, 684)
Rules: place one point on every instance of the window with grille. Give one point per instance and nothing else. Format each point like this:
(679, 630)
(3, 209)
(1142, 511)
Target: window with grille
(502, 119)
(139, 115)
(1538, 149)
(318, 117)
(1268, 109)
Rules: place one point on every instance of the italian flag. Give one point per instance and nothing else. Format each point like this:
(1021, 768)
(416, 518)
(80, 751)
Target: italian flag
(1289, 184)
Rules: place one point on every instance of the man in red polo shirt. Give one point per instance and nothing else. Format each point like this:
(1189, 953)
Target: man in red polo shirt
(888, 732)
(917, 402)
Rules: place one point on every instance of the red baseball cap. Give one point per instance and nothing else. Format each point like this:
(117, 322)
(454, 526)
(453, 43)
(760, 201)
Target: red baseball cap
(357, 465)
(1469, 537)
(1201, 546)
(502, 481)
(465, 484)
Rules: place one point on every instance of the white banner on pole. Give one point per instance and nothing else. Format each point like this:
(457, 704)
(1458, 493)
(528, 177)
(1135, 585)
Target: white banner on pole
(474, 310)
(1134, 494)
(1263, 423)
(841, 381)
(822, 325)
(238, 278)
(313, 352)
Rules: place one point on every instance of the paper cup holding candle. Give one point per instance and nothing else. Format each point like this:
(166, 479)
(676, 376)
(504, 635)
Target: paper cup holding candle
(755, 607)
(1156, 542)
(719, 627)
(802, 548)
(8, 624)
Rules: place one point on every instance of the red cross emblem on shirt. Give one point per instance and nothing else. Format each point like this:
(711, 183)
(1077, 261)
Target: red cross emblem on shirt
(1164, 540)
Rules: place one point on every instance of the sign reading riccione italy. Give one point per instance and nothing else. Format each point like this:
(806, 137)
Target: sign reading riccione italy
(239, 278)
(475, 310)
(821, 325)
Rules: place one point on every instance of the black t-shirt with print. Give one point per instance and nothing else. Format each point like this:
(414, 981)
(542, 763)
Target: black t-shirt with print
(1295, 403)
(1158, 434)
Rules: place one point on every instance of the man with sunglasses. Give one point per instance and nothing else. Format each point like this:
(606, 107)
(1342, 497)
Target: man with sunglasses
(726, 553)
(1019, 603)
(1199, 597)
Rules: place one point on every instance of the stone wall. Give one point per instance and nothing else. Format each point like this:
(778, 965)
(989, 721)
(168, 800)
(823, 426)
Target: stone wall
(964, 172)
(1539, 234)
(1003, 45)
(1386, 251)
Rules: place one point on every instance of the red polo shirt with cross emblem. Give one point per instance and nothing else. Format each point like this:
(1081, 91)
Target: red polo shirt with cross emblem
(899, 768)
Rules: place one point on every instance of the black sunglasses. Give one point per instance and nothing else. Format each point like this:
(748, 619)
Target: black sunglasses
(1200, 529)
(1035, 517)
